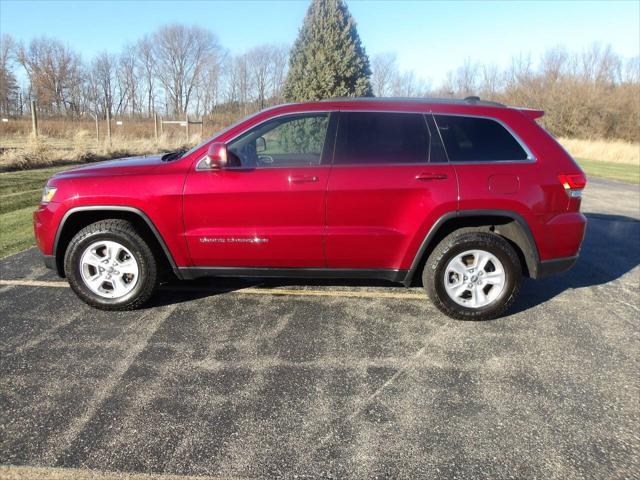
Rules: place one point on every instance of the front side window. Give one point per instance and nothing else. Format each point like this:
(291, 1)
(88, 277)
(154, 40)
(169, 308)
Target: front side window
(474, 139)
(381, 137)
(290, 141)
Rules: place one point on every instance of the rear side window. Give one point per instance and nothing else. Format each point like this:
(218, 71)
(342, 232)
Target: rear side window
(380, 137)
(473, 139)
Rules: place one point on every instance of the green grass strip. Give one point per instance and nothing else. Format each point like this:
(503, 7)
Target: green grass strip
(614, 171)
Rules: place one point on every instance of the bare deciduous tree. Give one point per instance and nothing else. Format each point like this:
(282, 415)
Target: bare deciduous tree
(181, 54)
(384, 72)
(209, 88)
(103, 74)
(9, 91)
(129, 81)
(490, 81)
(600, 65)
(631, 72)
(146, 68)
(54, 72)
(259, 61)
(279, 61)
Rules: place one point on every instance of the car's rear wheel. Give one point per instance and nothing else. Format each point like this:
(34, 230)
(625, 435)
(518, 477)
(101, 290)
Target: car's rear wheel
(473, 275)
(110, 266)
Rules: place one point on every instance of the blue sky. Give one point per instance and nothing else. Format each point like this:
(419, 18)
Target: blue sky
(428, 37)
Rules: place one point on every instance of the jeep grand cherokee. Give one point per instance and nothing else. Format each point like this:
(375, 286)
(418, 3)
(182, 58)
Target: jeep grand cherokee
(465, 196)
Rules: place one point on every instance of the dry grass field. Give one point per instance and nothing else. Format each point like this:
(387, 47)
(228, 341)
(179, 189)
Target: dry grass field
(614, 151)
(65, 141)
(45, 152)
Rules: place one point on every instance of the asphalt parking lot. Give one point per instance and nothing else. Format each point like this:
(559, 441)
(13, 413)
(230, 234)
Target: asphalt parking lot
(273, 379)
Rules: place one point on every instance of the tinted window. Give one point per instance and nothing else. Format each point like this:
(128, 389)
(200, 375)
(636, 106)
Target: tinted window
(372, 137)
(288, 141)
(469, 139)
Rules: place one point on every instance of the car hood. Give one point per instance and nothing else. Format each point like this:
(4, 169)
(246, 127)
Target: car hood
(121, 166)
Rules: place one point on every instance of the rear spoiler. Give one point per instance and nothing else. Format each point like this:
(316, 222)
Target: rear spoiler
(531, 113)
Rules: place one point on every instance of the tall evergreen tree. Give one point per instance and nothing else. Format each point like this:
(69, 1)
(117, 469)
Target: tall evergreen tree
(327, 58)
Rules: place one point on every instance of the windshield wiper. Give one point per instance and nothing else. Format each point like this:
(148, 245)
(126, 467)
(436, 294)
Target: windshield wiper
(167, 157)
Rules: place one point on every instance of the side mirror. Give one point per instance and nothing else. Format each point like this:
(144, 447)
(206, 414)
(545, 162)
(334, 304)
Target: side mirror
(216, 156)
(261, 144)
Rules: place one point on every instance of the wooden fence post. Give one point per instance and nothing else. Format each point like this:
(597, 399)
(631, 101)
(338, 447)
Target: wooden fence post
(201, 127)
(109, 125)
(155, 125)
(187, 125)
(97, 129)
(161, 126)
(34, 119)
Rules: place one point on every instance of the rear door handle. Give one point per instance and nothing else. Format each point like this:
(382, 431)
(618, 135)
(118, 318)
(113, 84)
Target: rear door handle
(425, 177)
(302, 178)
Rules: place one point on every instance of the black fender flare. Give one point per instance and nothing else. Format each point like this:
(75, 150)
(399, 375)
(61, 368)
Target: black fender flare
(113, 208)
(527, 245)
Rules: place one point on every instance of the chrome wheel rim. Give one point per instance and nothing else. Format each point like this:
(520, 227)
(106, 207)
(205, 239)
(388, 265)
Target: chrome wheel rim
(474, 279)
(109, 269)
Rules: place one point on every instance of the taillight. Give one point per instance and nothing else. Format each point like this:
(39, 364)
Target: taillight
(573, 183)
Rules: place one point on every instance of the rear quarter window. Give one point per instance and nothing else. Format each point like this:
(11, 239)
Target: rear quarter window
(473, 139)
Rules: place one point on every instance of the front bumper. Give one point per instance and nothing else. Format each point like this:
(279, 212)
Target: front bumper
(45, 222)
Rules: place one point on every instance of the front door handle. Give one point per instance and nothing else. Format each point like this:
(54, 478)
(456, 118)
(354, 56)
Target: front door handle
(425, 177)
(302, 178)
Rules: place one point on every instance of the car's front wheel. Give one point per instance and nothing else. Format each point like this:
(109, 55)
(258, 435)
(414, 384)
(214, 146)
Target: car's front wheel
(473, 275)
(110, 266)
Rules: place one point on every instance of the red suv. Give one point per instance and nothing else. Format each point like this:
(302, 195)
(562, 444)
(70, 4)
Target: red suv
(467, 196)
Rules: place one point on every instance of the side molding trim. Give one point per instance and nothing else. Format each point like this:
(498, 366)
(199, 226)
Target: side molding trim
(189, 273)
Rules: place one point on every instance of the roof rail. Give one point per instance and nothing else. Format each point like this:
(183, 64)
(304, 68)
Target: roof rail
(471, 100)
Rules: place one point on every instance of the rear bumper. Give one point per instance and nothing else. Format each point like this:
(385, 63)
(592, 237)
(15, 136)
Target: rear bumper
(548, 268)
(560, 245)
(562, 236)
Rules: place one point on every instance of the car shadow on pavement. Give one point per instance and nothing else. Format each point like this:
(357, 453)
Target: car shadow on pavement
(610, 249)
(180, 291)
(187, 290)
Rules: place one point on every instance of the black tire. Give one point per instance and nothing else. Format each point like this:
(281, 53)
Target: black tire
(123, 232)
(433, 275)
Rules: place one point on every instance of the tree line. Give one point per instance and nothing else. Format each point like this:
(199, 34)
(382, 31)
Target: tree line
(594, 93)
(175, 70)
(182, 69)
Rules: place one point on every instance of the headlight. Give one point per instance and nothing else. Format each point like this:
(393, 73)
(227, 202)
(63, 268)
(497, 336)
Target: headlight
(48, 193)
